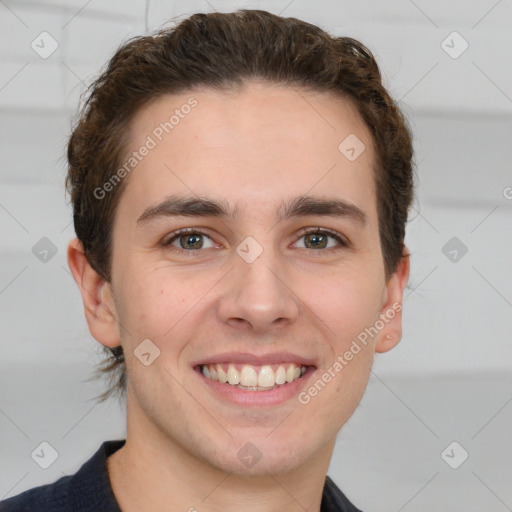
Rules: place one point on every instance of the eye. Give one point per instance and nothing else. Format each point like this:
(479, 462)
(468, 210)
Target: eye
(189, 240)
(319, 238)
(193, 239)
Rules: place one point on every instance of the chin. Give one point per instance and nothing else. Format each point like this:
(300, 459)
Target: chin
(268, 464)
(261, 454)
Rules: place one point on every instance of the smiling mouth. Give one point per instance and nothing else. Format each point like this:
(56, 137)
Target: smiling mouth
(254, 378)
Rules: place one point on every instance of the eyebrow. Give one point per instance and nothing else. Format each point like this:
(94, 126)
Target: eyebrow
(177, 206)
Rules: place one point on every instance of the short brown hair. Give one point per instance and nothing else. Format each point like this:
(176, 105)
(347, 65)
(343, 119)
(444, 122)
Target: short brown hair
(223, 51)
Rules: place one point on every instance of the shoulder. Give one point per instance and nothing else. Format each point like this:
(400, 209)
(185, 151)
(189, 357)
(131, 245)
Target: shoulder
(45, 497)
(333, 500)
(54, 497)
(88, 490)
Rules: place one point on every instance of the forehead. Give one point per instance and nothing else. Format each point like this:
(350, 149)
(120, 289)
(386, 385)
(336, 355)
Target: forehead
(252, 145)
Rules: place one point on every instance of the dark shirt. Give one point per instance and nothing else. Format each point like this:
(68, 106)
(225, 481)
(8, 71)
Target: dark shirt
(89, 490)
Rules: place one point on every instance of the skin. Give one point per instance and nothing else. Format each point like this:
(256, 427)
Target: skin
(254, 149)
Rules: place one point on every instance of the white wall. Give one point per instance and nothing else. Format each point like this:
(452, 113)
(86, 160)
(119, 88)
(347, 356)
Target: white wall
(452, 370)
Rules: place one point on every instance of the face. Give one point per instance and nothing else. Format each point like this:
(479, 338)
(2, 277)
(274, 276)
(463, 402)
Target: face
(246, 247)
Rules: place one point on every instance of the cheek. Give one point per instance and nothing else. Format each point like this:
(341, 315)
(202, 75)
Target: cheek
(152, 307)
(347, 303)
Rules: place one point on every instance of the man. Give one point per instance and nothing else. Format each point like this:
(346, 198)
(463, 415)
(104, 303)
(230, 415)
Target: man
(240, 186)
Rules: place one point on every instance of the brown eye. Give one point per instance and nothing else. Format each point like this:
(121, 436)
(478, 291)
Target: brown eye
(190, 241)
(194, 241)
(315, 241)
(321, 239)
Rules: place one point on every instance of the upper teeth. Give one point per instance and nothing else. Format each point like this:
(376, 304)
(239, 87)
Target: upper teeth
(253, 376)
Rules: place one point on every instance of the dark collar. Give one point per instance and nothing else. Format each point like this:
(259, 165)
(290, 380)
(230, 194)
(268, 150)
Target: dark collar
(90, 490)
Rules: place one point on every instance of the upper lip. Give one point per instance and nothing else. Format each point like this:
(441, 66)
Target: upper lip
(256, 360)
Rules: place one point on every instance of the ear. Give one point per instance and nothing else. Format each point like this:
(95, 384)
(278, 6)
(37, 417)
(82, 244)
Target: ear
(99, 306)
(391, 311)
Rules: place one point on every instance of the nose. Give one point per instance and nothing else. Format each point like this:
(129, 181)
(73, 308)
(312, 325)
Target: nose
(258, 296)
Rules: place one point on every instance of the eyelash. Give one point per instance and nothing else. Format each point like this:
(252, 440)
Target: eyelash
(306, 231)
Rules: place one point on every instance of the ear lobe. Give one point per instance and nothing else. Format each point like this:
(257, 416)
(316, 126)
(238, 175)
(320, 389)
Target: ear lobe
(99, 306)
(391, 311)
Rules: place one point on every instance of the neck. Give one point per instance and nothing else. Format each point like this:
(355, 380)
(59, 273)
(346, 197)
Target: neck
(151, 472)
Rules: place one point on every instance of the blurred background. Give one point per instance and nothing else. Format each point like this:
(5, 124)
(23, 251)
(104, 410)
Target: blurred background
(433, 430)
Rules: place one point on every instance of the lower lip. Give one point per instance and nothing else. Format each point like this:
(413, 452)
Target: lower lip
(250, 398)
